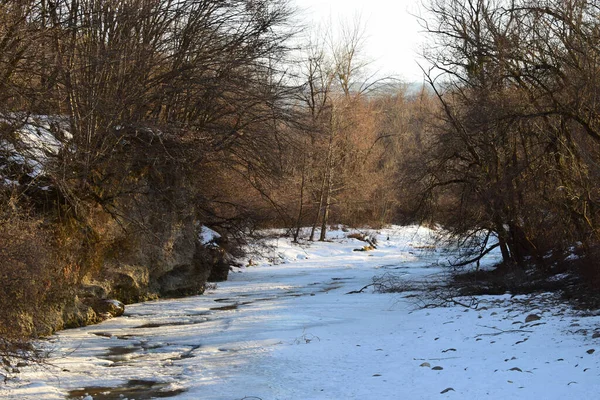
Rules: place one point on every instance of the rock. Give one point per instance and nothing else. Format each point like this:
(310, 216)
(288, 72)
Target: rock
(532, 317)
(103, 309)
(92, 290)
(77, 314)
(128, 282)
(219, 268)
(112, 307)
(183, 280)
(365, 248)
(149, 248)
(596, 335)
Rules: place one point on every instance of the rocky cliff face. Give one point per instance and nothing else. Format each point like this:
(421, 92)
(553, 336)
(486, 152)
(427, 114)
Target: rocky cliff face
(166, 261)
(145, 238)
(121, 225)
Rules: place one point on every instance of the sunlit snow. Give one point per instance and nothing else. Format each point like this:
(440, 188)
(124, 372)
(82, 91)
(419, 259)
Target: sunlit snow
(287, 329)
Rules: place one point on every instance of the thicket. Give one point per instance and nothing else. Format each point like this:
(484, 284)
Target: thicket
(514, 150)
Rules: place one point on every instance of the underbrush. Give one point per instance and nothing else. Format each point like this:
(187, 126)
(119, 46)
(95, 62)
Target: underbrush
(31, 282)
(513, 280)
(574, 278)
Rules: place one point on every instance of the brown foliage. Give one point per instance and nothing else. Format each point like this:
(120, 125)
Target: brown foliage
(164, 110)
(516, 143)
(32, 281)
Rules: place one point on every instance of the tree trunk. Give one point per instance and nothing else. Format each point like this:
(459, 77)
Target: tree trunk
(301, 202)
(504, 250)
(321, 197)
(327, 207)
(327, 184)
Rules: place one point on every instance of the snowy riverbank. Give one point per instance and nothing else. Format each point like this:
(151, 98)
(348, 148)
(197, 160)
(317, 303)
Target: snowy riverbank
(289, 331)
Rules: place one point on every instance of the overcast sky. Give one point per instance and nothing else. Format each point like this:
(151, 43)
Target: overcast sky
(393, 34)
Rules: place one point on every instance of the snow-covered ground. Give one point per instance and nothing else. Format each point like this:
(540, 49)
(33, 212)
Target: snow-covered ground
(286, 328)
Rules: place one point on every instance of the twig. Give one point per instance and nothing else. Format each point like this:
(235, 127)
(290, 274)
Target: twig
(361, 290)
(436, 359)
(500, 331)
(474, 303)
(476, 259)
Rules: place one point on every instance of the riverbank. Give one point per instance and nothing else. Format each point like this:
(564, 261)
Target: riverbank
(286, 328)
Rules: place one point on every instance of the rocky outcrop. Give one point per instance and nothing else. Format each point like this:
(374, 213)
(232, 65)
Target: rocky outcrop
(220, 265)
(118, 282)
(187, 278)
(137, 235)
(77, 312)
(108, 308)
(154, 244)
(127, 230)
(167, 261)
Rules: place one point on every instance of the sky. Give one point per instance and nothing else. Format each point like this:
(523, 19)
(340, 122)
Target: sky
(393, 34)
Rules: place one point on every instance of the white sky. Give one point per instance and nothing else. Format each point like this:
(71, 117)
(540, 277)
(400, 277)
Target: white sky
(393, 34)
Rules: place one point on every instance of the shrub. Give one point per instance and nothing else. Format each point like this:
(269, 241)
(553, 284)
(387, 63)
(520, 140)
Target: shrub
(31, 282)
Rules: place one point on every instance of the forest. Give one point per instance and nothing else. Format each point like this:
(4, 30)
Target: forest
(128, 125)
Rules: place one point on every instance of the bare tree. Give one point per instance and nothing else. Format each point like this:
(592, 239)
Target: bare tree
(517, 140)
(151, 103)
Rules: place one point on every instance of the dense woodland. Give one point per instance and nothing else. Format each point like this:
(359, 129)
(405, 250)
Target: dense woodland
(228, 114)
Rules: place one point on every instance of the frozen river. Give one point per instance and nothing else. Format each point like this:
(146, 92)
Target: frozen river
(291, 331)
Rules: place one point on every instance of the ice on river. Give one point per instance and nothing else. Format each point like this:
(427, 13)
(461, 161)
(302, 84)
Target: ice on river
(287, 329)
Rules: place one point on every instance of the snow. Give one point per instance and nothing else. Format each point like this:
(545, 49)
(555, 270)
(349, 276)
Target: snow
(207, 236)
(289, 330)
(37, 142)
